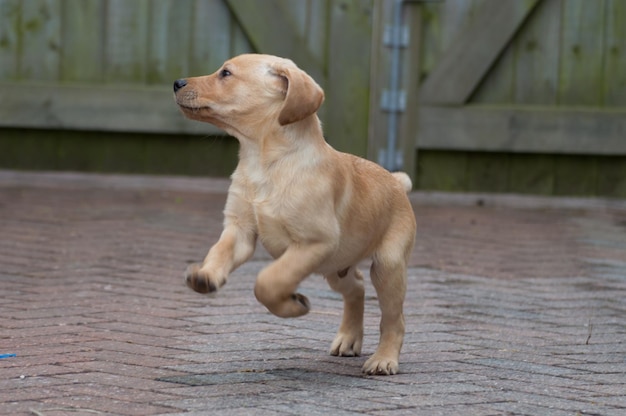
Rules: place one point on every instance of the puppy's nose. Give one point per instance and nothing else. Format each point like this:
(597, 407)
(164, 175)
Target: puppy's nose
(179, 83)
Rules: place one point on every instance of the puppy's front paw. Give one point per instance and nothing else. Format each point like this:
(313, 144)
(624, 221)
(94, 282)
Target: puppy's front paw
(347, 344)
(377, 365)
(200, 280)
(302, 302)
(297, 305)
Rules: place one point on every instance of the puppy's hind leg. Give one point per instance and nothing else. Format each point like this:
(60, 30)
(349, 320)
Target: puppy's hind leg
(388, 273)
(349, 338)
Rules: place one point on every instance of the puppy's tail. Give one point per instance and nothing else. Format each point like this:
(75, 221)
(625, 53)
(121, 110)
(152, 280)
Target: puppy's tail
(404, 180)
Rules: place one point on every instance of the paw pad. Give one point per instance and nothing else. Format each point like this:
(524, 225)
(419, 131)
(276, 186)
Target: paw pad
(199, 280)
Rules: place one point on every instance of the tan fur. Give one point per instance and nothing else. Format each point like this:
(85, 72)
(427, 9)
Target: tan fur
(316, 210)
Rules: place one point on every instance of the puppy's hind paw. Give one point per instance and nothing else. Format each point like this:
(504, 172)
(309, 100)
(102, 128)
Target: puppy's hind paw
(380, 366)
(200, 280)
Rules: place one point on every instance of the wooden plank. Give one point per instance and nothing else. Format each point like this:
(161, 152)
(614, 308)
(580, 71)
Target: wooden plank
(380, 64)
(540, 174)
(582, 49)
(132, 109)
(82, 40)
(278, 38)
(455, 15)
(379, 81)
(347, 88)
(239, 41)
(443, 171)
(615, 54)
(537, 57)
(169, 40)
(430, 46)
(463, 66)
(497, 85)
(488, 172)
(316, 36)
(297, 11)
(531, 174)
(126, 41)
(576, 176)
(212, 156)
(527, 72)
(317, 18)
(442, 20)
(41, 43)
(612, 177)
(117, 153)
(21, 150)
(10, 11)
(522, 129)
(410, 83)
(120, 152)
(210, 39)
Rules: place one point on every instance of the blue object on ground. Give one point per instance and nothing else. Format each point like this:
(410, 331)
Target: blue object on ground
(7, 355)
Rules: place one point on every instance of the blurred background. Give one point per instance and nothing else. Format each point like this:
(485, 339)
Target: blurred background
(524, 96)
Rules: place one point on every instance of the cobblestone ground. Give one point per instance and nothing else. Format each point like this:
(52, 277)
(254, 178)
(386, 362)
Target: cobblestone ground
(516, 306)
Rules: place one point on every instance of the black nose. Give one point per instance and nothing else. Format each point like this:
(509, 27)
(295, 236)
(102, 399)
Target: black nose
(179, 83)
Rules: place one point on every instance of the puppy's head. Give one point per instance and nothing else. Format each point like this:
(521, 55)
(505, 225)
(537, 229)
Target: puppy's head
(250, 90)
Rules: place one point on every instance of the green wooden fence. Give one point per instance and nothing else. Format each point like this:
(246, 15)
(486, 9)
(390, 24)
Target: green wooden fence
(502, 95)
(515, 95)
(104, 68)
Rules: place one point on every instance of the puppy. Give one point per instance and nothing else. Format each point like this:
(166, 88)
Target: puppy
(315, 210)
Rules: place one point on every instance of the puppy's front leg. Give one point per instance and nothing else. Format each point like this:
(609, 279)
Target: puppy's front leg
(276, 284)
(235, 246)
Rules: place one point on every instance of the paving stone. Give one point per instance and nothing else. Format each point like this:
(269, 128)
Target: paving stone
(514, 306)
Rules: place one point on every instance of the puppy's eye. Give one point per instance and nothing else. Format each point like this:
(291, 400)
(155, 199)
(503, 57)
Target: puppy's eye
(225, 73)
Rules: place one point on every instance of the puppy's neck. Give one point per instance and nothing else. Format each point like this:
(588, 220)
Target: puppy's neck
(300, 141)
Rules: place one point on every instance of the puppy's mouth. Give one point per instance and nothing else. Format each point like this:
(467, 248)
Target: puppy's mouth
(198, 111)
(188, 101)
(193, 108)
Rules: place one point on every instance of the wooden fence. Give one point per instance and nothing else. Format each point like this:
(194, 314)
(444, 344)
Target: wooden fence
(511, 95)
(89, 66)
(61, 60)
(499, 95)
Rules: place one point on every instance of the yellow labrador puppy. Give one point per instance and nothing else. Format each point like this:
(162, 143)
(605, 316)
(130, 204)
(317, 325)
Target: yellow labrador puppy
(316, 210)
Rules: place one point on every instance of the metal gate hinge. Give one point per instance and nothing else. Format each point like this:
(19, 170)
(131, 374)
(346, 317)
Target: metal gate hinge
(396, 36)
(397, 159)
(393, 101)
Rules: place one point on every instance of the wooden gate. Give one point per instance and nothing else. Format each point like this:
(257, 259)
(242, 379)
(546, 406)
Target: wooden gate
(510, 95)
(495, 95)
(108, 66)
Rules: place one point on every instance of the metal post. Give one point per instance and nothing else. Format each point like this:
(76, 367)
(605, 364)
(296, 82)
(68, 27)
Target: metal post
(394, 81)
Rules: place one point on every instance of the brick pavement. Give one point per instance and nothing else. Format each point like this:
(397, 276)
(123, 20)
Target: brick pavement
(516, 306)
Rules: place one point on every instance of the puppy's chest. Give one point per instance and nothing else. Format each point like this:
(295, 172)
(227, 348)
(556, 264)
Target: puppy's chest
(282, 209)
(273, 209)
(273, 200)
(274, 223)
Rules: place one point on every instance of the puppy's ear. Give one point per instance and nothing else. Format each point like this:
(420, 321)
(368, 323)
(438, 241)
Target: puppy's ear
(303, 96)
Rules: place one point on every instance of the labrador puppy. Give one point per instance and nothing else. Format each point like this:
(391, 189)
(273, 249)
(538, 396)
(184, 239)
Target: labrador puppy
(315, 210)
